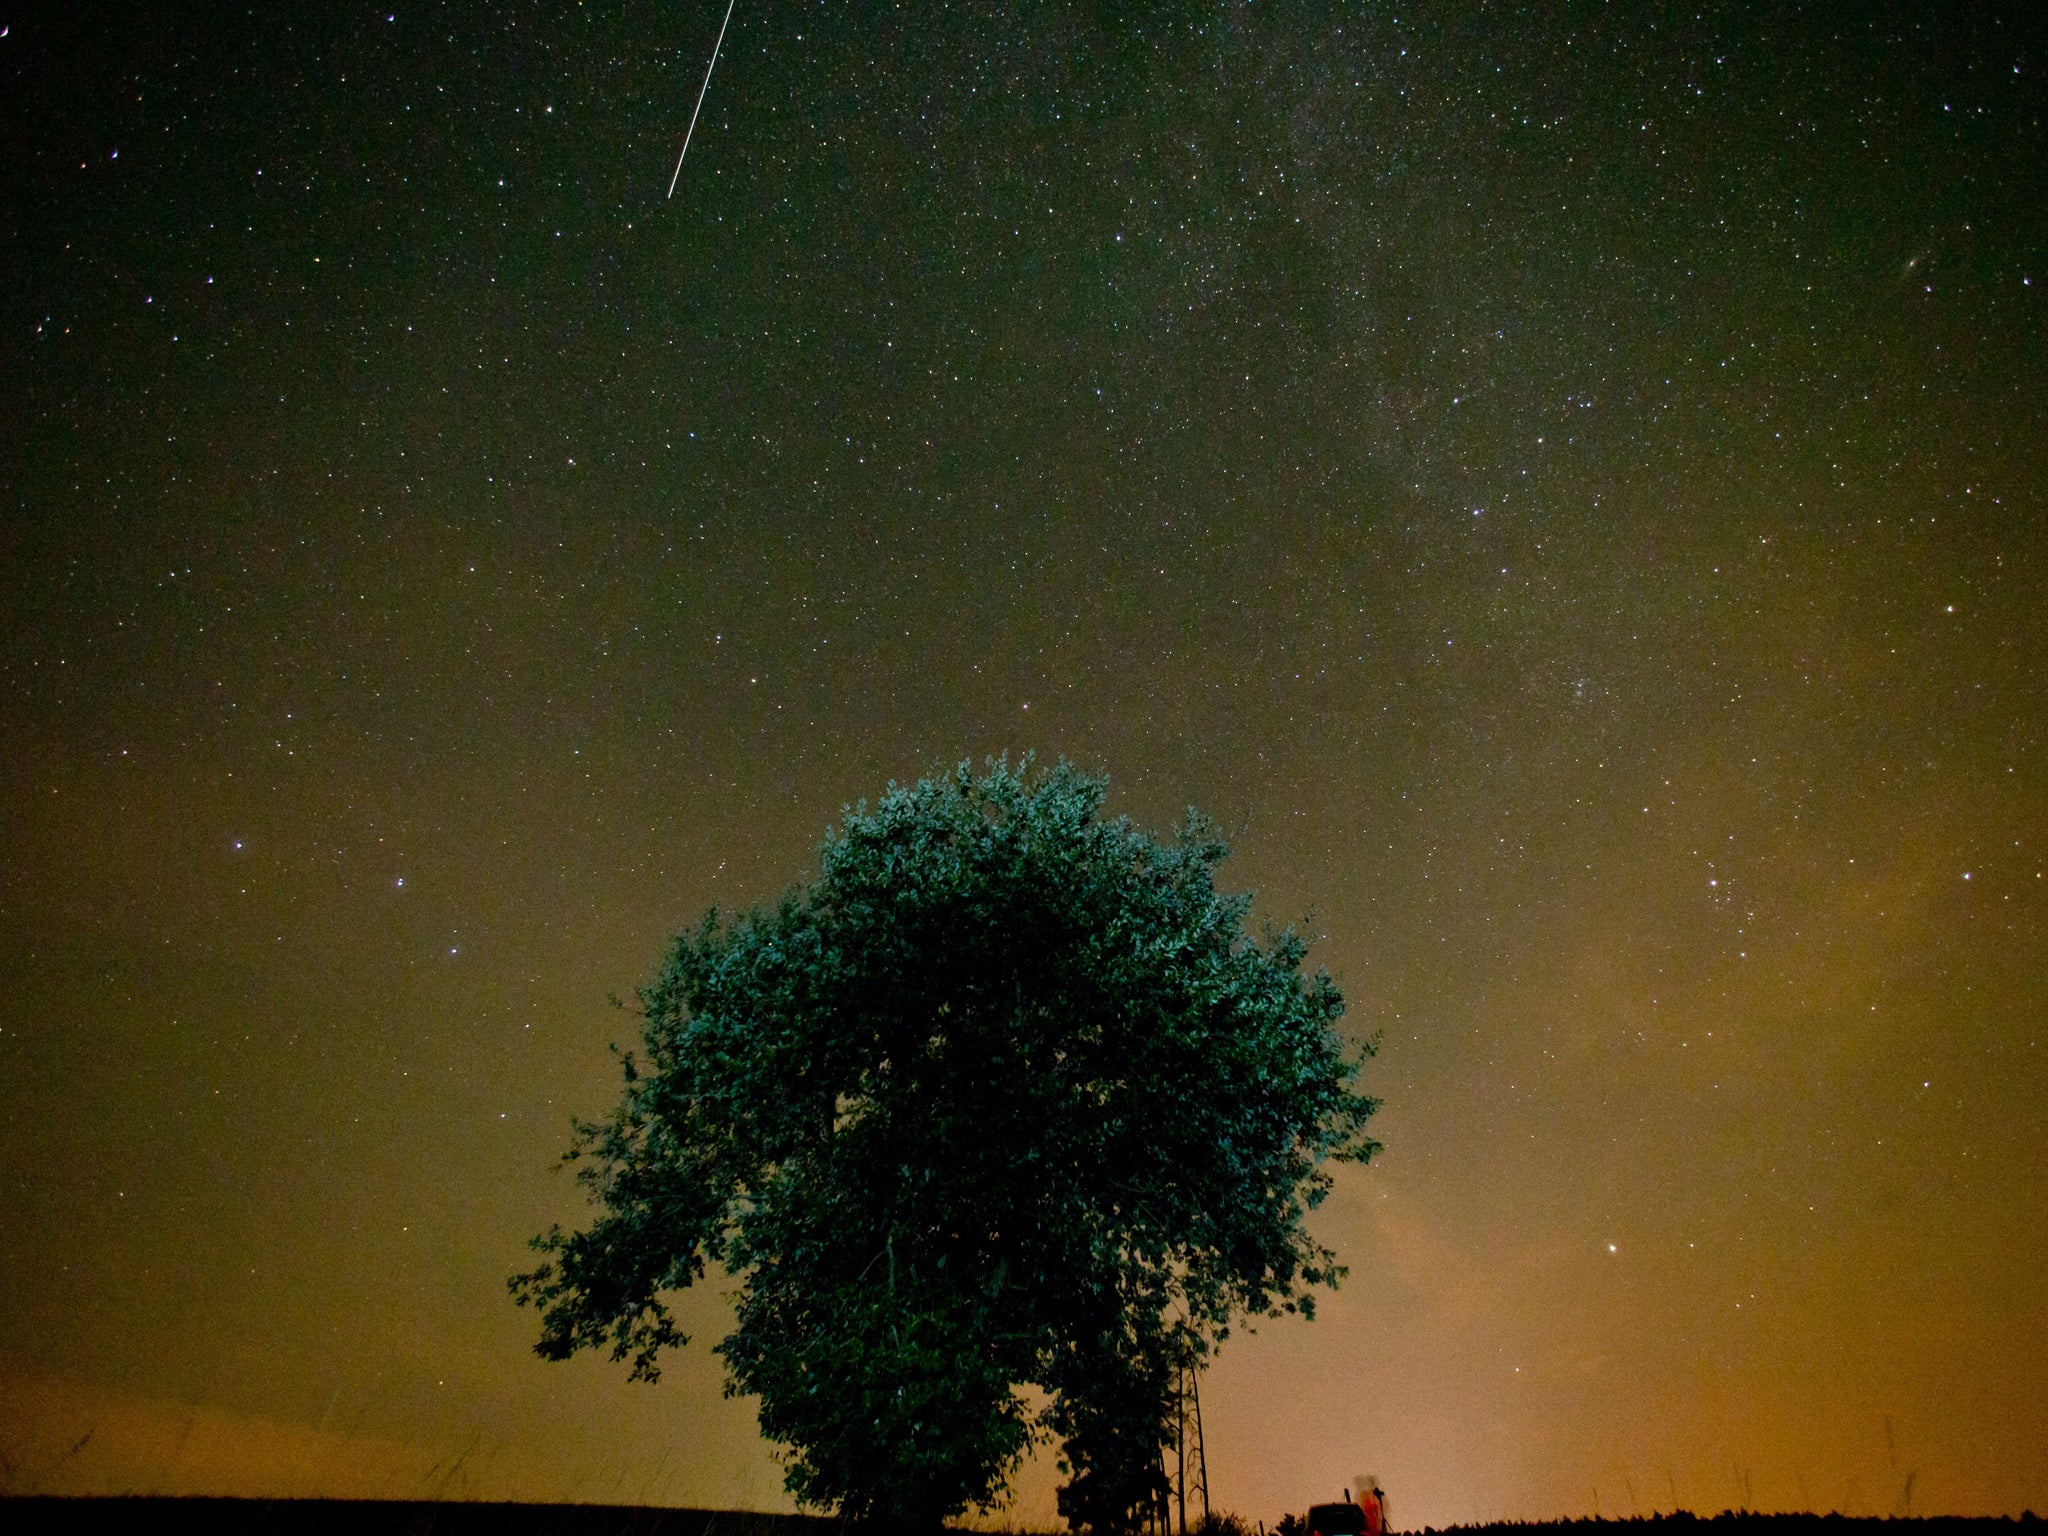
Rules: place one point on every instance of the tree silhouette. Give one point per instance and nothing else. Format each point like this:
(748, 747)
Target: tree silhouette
(1006, 1096)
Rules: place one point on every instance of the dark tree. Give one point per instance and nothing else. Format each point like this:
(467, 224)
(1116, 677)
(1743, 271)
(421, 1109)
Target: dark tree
(1007, 1096)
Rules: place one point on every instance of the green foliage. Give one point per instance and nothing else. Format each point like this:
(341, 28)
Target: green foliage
(1006, 1096)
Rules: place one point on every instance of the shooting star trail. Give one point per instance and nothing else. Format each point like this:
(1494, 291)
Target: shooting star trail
(729, 4)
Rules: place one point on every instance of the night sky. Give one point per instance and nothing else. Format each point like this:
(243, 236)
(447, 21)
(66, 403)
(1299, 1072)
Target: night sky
(1562, 485)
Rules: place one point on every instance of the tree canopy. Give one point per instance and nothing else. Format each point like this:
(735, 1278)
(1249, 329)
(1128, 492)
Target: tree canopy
(1005, 1097)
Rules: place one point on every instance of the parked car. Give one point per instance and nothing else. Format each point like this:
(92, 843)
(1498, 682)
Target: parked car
(1365, 1516)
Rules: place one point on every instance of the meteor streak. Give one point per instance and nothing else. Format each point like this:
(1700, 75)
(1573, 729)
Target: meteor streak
(729, 4)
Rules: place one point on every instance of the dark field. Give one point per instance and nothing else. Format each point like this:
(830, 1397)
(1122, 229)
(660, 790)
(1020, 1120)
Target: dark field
(348, 1517)
(392, 1517)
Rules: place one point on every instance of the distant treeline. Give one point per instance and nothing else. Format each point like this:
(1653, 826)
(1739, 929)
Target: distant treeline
(420, 1517)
